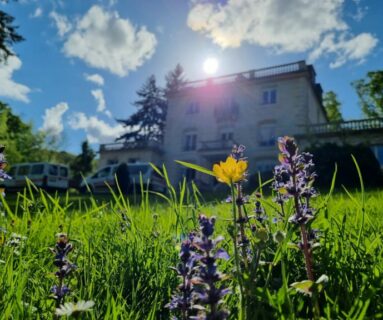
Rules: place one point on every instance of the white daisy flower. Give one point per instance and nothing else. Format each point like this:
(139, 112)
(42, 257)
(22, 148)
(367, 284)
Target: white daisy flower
(73, 309)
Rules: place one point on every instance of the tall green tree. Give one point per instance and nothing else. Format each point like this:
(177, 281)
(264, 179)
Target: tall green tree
(82, 164)
(8, 35)
(370, 93)
(23, 145)
(332, 107)
(175, 79)
(147, 123)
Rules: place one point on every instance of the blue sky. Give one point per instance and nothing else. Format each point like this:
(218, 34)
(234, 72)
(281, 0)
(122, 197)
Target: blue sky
(83, 61)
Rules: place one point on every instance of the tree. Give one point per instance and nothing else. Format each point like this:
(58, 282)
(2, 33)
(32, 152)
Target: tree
(332, 107)
(147, 124)
(175, 79)
(8, 35)
(370, 93)
(82, 164)
(23, 145)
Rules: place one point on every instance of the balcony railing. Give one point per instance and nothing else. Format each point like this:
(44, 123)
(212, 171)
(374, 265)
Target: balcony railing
(254, 74)
(346, 126)
(216, 145)
(129, 145)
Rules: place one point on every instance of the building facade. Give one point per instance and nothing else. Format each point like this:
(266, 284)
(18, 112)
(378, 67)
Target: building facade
(205, 118)
(252, 108)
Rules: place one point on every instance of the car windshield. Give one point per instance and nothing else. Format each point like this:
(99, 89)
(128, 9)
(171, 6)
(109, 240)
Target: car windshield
(136, 170)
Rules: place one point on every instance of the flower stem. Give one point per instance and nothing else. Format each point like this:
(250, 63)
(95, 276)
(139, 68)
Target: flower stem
(236, 257)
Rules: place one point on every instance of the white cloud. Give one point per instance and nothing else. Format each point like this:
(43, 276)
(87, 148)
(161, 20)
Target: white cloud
(95, 78)
(104, 40)
(37, 13)
(52, 119)
(97, 131)
(98, 94)
(285, 26)
(356, 48)
(8, 87)
(62, 23)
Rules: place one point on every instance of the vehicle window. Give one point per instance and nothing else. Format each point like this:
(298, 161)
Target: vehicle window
(12, 171)
(23, 170)
(53, 170)
(135, 170)
(102, 173)
(37, 169)
(63, 171)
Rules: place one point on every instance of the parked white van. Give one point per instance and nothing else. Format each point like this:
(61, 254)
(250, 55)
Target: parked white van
(43, 175)
(105, 177)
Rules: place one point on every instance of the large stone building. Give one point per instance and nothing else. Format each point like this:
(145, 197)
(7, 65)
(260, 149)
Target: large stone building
(252, 108)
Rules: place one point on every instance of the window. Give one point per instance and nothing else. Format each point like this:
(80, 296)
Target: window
(269, 96)
(37, 169)
(112, 161)
(266, 134)
(23, 170)
(63, 172)
(227, 136)
(102, 173)
(190, 142)
(265, 166)
(53, 170)
(137, 170)
(192, 108)
(12, 171)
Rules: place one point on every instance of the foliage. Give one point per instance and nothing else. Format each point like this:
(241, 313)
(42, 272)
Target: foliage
(332, 107)
(82, 164)
(370, 93)
(175, 79)
(22, 143)
(125, 271)
(328, 155)
(148, 122)
(8, 35)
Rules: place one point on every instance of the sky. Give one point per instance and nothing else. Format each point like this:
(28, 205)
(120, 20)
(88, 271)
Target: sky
(83, 61)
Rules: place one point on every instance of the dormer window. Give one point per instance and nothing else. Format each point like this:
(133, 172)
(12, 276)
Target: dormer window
(269, 96)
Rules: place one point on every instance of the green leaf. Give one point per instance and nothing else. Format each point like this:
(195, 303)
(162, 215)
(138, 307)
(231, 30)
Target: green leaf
(195, 167)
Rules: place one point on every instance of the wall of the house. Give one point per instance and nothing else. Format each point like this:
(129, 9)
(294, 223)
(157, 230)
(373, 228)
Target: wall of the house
(295, 106)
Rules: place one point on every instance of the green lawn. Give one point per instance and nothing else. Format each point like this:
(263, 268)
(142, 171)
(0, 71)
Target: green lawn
(123, 251)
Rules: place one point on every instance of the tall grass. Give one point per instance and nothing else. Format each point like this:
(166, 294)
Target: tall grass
(123, 250)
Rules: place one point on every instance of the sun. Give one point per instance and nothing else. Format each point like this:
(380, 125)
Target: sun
(210, 66)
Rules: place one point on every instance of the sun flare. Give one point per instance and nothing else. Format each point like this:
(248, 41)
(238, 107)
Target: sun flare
(210, 66)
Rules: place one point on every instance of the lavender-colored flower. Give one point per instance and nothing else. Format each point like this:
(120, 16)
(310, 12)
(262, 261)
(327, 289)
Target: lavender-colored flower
(237, 152)
(199, 291)
(208, 292)
(182, 299)
(65, 267)
(294, 179)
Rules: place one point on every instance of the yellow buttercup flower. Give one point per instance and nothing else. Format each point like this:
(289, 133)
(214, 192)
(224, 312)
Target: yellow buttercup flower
(230, 171)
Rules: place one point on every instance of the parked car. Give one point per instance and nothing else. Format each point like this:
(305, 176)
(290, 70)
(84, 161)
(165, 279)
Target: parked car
(49, 176)
(105, 178)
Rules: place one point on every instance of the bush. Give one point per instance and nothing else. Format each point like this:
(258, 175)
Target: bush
(327, 155)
